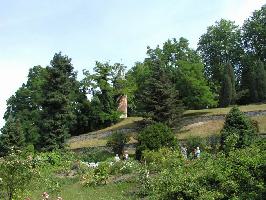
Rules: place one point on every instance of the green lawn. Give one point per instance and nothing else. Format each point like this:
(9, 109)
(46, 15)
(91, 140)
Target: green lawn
(73, 190)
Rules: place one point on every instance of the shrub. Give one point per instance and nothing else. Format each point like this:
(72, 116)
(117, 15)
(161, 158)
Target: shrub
(155, 137)
(163, 158)
(117, 142)
(238, 131)
(124, 167)
(208, 144)
(16, 173)
(97, 176)
(240, 175)
(95, 154)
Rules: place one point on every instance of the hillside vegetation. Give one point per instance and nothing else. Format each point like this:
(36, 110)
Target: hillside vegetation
(198, 129)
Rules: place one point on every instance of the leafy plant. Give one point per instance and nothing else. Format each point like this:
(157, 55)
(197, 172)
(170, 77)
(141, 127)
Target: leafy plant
(155, 137)
(117, 142)
(238, 130)
(240, 175)
(16, 172)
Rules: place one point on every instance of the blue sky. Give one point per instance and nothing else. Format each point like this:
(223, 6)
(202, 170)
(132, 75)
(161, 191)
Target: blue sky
(31, 31)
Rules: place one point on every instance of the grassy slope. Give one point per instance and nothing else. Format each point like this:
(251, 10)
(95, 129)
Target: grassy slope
(201, 129)
(222, 111)
(98, 140)
(204, 129)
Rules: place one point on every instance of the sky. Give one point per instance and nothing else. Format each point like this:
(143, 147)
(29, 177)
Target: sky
(32, 31)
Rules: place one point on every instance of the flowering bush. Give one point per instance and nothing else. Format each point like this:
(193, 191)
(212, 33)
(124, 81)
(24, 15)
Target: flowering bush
(96, 176)
(16, 172)
(124, 167)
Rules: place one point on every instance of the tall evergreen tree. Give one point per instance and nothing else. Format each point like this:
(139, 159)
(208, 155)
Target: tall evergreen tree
(159, 97)
(57, 114)
(228, 92)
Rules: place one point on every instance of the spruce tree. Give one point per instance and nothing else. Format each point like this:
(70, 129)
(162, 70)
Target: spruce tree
(159, 97)
(57, 113)
(12, 136)
(238, 130)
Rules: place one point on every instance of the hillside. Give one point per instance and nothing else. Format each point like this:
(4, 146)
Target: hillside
(99, 138)
(200, 123)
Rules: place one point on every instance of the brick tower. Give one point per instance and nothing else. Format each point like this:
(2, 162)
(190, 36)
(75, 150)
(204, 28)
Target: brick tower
(122, 106)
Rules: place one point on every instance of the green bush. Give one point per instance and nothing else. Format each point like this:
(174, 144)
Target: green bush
(51, 167)
(97, 176)
(16, 173)
(163, 158)
(240, 175)
(117, 142)
(209, 144)
(124, 167)
(155, 137)
(95, 154)
(238, 131)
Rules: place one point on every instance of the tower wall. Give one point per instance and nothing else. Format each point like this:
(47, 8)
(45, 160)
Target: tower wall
(122, 106)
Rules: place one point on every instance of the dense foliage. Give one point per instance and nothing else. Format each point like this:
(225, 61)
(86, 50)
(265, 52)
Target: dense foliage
(154, 137)
(16, 172)
(117, 142)
(159, 98)
(238, 131)
(181, 67)
(53, 105)
(241, 175)
(243, 48)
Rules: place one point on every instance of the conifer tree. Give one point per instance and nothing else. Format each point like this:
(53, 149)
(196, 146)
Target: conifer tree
(238, 130)
(12, 136)
(57, 114)
(159, 97)
(228, 91)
